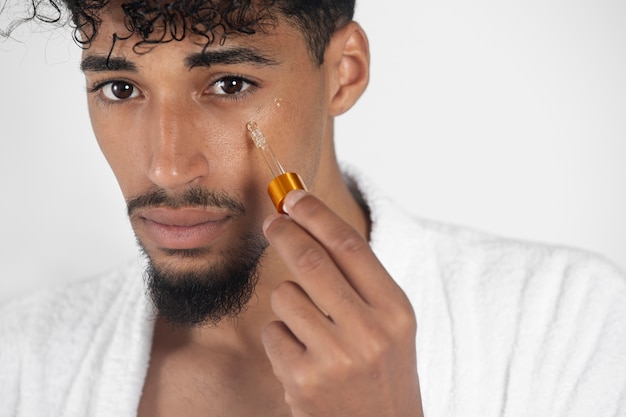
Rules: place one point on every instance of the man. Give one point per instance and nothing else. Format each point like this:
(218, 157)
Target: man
(308, 314)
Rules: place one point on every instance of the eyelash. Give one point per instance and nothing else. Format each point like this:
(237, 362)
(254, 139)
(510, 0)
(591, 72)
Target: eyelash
(96, 88)
(252, 86)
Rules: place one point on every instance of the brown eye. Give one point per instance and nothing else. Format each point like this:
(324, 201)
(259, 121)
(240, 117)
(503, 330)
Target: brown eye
(230, 86)
(119, 90)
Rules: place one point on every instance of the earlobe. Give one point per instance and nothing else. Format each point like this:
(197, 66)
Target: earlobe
(349, 59)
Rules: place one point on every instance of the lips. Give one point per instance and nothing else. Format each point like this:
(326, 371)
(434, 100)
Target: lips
(184, 228)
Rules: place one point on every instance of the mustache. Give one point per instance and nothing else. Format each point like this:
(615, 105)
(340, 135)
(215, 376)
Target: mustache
(192, 197)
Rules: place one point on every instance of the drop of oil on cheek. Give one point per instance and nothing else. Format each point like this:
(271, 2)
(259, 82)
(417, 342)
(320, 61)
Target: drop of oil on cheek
(266, 110)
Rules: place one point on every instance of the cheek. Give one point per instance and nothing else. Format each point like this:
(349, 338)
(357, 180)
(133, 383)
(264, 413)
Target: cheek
(295, 131)
(306, 127)
(115, 146)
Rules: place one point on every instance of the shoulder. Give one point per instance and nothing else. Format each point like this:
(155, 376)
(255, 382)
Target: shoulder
(54, 338)
(543, 325)
(486, 255)
(62, 320)
(509, 326)
(475, 265)
(460, 257)
(456, 252)
(71, 303)
(525, 267)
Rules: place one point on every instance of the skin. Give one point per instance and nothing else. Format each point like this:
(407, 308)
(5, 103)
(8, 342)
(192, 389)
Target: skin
(327, 332)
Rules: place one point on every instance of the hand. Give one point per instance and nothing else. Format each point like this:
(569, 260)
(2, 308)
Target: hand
(345, 342)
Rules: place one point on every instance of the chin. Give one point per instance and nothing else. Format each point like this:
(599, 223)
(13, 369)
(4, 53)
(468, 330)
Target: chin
(202, 287)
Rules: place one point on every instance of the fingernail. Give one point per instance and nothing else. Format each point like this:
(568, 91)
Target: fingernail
(292, 198)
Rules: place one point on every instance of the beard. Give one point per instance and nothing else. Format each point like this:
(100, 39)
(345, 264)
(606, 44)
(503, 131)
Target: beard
(205, 294)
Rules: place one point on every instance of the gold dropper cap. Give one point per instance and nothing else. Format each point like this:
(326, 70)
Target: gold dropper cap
(281, 185)
(283, 182)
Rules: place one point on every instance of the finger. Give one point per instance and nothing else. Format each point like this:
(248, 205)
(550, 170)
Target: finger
(281, 347)
(312, 267)
(306, 321)
(348, 249)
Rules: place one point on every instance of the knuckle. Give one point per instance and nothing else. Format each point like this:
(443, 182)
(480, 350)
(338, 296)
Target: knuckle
(402, 329)
(311, 260)
(352, 244)
(348, 241)
(305, 385)
(401, 316)
(381, 338)
(342, 365)
(376, 348)
(405, 322)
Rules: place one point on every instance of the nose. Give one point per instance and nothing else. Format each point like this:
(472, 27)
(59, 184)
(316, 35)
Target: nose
(177, 147)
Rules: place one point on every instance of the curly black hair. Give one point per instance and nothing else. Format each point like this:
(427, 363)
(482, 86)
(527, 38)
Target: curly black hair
(159, 21)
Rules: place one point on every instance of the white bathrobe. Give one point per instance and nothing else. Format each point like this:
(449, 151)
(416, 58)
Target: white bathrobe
(505, 328)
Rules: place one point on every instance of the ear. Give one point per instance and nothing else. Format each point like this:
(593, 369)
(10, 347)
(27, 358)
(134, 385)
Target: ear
(348, 64)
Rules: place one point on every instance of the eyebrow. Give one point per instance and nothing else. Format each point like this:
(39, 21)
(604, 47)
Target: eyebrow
(229, 57)
(101, 63)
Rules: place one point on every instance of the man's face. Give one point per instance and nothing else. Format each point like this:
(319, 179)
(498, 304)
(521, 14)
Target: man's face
(172, 124)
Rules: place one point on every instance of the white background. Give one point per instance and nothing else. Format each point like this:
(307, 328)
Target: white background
(506, 117)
